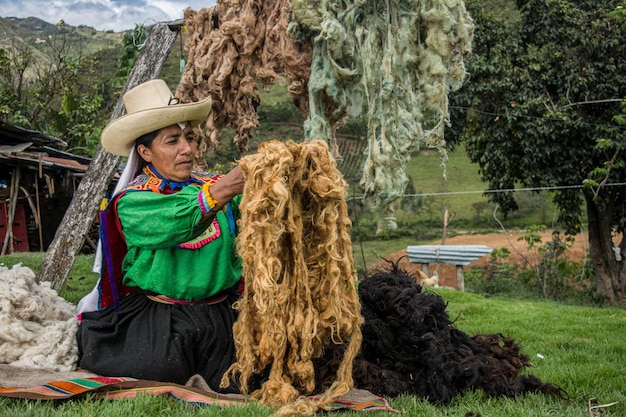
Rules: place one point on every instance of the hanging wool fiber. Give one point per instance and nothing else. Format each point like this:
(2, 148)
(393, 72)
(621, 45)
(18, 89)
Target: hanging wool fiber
(300, 281)
(394, 60)
(232, 47)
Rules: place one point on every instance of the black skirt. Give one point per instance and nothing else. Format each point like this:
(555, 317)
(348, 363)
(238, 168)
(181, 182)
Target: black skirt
(160, 342)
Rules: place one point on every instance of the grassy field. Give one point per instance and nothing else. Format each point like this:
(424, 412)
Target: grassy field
(581, 349)
(461, 193)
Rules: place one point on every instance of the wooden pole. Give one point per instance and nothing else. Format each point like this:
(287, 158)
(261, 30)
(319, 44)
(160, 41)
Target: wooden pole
(460, 278)
(445, 226)
(70, 235)
(33, 208)
(13, 192)
(38, 212)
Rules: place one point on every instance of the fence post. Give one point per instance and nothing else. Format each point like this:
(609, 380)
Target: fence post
(460, 278)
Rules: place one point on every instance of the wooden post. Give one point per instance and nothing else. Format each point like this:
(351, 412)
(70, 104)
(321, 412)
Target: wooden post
(13, 192)
(38, 211)
(70, 235)
(445, 226)
(460, 278)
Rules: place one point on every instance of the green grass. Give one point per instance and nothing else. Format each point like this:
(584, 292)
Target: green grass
(583, 350)
(427, 174)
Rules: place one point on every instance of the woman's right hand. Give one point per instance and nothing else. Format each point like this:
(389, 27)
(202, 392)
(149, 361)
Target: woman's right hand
(228, 186)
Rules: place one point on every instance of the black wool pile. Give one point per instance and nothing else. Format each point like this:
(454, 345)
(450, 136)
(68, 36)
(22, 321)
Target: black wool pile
(410, 346)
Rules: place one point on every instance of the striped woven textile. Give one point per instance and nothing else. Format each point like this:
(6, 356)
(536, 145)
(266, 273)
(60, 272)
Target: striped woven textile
(114, 388)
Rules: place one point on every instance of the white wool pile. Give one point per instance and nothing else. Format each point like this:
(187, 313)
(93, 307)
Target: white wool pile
(37, 326)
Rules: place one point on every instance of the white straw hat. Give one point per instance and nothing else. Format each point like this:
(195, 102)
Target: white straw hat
(150, 107)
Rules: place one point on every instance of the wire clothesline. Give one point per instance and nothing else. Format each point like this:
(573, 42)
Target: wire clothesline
(556, 187)
(554, 119)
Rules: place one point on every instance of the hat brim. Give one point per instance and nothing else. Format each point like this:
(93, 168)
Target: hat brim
(119, 136)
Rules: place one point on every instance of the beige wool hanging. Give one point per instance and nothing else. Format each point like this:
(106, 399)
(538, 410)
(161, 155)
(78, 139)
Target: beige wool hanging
(300, 280)
(232, 47)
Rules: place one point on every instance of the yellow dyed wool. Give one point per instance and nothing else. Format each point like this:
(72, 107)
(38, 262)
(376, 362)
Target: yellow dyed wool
(300, 281)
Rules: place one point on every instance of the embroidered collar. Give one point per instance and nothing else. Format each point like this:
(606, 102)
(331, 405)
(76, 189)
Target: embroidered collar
(167, 183)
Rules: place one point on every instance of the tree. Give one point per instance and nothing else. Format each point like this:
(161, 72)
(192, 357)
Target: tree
(539, 111)
(14, 62)
(58, 92)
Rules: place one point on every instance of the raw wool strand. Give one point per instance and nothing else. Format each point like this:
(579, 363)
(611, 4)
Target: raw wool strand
(298, 297)
(231, 47)
(37, 327)
(418, 50)
(217, 67)
(330, 264)
(328, 252)
(261, 238)
(448, 30)
(301, 328)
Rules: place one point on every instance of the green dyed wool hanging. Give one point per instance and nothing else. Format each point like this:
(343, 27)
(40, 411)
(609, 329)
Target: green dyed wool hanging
(394, 60)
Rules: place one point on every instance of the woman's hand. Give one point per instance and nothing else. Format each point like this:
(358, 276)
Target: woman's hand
(227, 187)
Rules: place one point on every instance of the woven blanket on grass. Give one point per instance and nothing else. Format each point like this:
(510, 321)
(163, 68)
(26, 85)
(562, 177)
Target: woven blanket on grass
(42, 385)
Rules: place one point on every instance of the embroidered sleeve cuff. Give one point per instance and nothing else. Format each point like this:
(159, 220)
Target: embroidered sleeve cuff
(205, 200)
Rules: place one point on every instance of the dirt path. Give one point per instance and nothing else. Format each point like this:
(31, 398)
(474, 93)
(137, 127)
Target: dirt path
(518, 249)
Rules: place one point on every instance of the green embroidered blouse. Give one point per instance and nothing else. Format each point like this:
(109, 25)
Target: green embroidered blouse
(169, 253)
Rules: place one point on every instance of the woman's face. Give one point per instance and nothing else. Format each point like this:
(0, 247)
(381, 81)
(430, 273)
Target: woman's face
(171, 152)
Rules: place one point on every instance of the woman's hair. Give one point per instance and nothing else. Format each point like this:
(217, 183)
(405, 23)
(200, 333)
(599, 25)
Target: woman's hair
(145, 140)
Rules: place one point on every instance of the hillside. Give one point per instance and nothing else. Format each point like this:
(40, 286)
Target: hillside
(34, 31)
(43, 37)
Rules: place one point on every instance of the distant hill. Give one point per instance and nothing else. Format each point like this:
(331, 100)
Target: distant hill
(36, 32)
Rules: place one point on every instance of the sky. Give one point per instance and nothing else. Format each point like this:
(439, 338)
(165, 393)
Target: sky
(116, 15)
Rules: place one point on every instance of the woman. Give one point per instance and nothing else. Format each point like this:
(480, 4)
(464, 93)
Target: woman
(162, 309)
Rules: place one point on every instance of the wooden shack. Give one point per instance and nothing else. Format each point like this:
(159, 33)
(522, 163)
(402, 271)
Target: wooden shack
(37, 183)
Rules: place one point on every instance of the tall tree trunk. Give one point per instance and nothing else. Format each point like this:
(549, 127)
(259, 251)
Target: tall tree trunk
(610, 274)
(70, 235)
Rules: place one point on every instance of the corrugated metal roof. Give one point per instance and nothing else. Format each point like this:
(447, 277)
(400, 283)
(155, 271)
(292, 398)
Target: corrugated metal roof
(29, 147)
(447, 254)
(15, 134)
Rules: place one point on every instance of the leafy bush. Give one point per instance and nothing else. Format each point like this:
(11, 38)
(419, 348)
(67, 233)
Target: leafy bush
(497, 278)
(546, 275)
